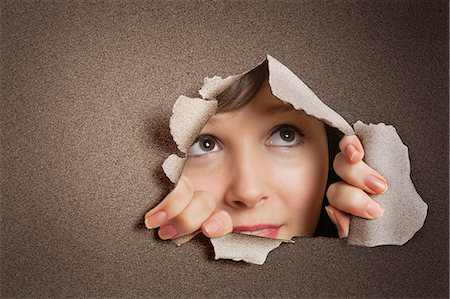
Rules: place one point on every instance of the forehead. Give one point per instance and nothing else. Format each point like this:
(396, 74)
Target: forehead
(264, 104)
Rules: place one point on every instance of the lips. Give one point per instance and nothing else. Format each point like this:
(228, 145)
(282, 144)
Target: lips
(262, 230)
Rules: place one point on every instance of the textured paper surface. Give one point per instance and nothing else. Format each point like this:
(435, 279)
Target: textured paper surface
(241, 247)
(188, 118)
(286, 86)
(87, 93)
(214, 86)
(405, 211)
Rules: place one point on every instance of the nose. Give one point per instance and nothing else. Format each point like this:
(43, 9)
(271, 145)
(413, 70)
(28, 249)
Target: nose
(246, 188)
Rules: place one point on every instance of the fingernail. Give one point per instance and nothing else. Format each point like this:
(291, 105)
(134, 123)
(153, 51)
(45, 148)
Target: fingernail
(167, 232)
(374, 210)
(155, 220)
(376, 184)
(350, 151)
(211, 227)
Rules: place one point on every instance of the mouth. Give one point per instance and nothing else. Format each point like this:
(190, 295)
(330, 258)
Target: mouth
(261, 230)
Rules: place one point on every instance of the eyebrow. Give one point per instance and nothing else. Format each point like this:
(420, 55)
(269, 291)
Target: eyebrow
(215, 121)
(273, 109)
(279, 109)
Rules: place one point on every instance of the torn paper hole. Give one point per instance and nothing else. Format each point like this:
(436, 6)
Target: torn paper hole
(384, 152)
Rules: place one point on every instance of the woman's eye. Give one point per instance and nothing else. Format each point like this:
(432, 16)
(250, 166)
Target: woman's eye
(285, 136)
(203, 145)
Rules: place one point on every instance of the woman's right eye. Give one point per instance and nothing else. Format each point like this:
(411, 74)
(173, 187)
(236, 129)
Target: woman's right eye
(203, 145)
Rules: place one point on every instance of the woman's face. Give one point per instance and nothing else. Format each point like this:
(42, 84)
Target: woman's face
(267, 165)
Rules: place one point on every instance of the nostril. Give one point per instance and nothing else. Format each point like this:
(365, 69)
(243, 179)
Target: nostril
(248, 204)
(239, 204)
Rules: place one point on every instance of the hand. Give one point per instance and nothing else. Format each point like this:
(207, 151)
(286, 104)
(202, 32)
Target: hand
(349, 196)
(184, 211)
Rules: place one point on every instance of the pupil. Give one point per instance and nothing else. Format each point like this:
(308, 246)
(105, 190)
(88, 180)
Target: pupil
(207, 144)
(287, 134)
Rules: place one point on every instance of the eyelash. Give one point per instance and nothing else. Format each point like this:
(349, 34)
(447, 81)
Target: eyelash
(197, 139)
(293, 127)
(275, 129)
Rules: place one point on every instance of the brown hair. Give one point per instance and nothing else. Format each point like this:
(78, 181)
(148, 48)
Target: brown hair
(242, 92)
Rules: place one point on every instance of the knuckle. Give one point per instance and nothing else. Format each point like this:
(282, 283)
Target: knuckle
(357, 202)
(182, 188)
(352, 172)
(206, 199)
(174, 203)
(332, 191)
(184, 223)
(339, 162)
(352, 210)
(173, 209)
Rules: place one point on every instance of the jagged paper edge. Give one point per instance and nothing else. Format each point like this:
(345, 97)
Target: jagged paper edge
(186, 122)
(404, 209)
(241, 247)
(286, 86)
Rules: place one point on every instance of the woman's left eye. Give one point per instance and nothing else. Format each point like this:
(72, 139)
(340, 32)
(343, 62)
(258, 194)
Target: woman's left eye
(285, 136)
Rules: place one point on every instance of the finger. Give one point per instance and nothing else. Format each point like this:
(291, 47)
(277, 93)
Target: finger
(352, 200)
(359, 175)
(171, 205)
(352, 148)
(340, 219)
(191, 218)
(218, 224)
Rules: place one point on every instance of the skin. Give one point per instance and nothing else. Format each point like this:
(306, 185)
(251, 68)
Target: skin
(266, 168)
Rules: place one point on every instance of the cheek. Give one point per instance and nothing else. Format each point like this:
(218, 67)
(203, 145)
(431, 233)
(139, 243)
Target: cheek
(300, 186)
(204, 176)
(301, 180)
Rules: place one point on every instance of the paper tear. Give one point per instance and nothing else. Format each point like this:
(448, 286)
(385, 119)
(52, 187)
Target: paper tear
(189, 116)
(241, 247)
(214, 86)
(173, 167)
(184, 239)
(286, 86)
(399, 222)
(404, 209)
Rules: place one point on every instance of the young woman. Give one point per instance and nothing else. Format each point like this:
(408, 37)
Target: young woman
(261, 167)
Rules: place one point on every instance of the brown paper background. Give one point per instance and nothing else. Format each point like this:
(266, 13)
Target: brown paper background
(86, 97)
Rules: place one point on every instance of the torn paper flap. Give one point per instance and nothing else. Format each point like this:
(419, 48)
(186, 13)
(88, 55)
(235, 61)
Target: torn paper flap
(189, 116)
(241, 247)
(286, 86)
(173, 167)
(214, 86)
(184, 239)
(404, 209)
